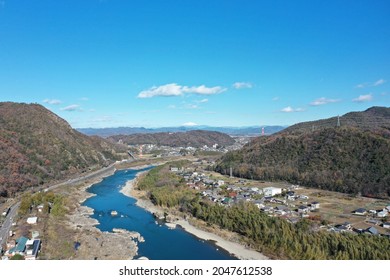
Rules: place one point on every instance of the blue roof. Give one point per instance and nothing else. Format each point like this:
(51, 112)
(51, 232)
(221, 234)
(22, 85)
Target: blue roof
(20, 246)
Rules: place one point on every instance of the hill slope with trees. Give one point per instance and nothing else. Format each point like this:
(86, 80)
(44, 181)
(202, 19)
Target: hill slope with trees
(195, 138)
(351, 158)
(38, 146)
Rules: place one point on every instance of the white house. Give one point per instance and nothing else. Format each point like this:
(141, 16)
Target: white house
(315, 205)
(382, 214)
(221, 182)
(32, 220)
(272, 191)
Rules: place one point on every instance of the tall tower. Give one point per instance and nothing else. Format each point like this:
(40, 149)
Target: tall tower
(262, 131)
(338, 121)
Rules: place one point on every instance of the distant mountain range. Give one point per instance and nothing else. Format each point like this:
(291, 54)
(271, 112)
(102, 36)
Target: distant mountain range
(38, 146)
(251, 130)
(352, 158)
(194, 138)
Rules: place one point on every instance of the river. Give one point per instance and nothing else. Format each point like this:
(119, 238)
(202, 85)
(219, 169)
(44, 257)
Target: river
(161, 243)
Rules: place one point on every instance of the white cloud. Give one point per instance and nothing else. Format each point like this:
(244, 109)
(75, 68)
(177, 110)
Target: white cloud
(84, 98)
(240, 85)
(103, 119)
(52, 101)
(379, 82)
(203, 100)
(165, 90)
(71, 108)
(363, 98)
(178, 90)
(275, 98)
(289, 109)
(323, 101)
(362, 85)
(374, 84)
(203, 90)
(189, 124)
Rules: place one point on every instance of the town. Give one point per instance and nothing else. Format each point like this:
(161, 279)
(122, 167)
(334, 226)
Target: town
(290, 202)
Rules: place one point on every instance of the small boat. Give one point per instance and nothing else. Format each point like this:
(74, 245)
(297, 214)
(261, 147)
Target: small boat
(114, 213)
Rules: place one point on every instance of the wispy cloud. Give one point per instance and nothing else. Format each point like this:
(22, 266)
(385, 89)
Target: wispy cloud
(71, 108)
(290, 109)
(203, 100)
(374, 84)
(103, 119)
(189, 124)
(362, 85)
(240, 85)
(323, 101)
(275, 98)
(52, 101)
(178, 90)
(379, 82)
(84, 98)
(363, 98)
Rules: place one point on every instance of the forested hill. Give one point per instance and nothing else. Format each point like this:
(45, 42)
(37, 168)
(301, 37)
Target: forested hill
(195, 138)
(350, 159)
(374, 119)
(37, 146)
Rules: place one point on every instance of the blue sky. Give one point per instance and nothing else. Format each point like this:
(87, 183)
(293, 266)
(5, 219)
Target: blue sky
(109, 63)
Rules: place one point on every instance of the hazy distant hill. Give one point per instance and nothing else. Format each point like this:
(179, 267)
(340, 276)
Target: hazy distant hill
(195, 138)
(352, 158)
(252, 130)
(36, 146)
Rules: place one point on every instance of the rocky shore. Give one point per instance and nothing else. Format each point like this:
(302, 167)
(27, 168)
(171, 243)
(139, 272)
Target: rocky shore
(93, 244)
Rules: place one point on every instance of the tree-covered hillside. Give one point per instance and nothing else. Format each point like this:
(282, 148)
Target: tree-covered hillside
(38, 146)
(195, 138)
(350, 159)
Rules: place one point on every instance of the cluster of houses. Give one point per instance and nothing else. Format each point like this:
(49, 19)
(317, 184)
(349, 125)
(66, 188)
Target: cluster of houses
(28, 248)
(381, 213)
(285, 203)
(271, 200)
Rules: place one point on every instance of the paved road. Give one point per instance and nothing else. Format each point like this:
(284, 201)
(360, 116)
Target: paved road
(6, 227)
(83, 178)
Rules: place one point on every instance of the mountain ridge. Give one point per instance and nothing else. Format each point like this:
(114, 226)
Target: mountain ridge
(38, 146)
(352, 158)
(193, 138)
(247, 130)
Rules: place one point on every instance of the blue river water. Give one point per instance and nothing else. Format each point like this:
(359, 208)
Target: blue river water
(161, 243)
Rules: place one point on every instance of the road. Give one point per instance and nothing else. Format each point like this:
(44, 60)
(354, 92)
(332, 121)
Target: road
(6, 227)
(83, 178)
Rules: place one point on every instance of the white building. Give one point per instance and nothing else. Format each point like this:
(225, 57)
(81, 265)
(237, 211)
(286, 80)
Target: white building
(272, 191)
(221, 182)
(32, 220)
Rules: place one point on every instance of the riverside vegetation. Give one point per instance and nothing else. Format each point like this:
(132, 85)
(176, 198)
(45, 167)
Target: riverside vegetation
(273, 236)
